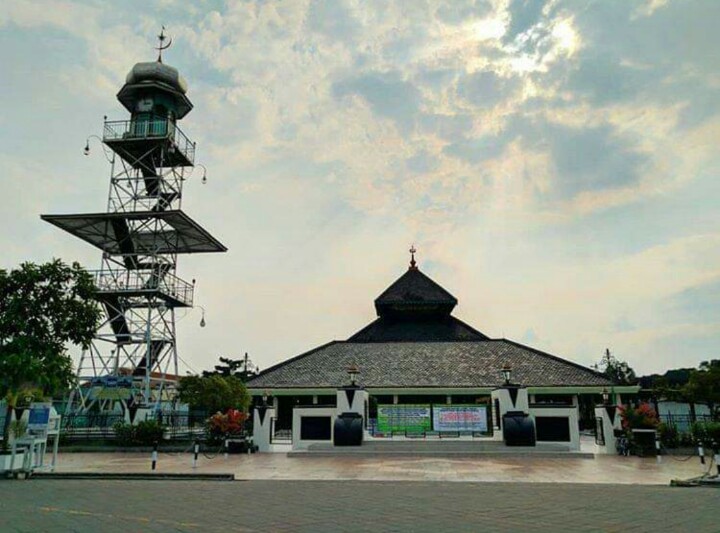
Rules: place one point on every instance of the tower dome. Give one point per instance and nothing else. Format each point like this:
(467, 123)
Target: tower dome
(153, 84)
(154, 71)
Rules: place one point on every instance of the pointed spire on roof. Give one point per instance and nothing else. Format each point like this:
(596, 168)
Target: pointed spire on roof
(413, 264)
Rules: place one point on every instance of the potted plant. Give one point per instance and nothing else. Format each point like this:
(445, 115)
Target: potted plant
(640, 424)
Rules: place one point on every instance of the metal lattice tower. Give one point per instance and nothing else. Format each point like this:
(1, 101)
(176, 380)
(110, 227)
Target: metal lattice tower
(133, 359)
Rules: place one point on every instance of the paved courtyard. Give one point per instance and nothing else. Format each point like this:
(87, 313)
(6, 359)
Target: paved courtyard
(515, 468)
(316, 506)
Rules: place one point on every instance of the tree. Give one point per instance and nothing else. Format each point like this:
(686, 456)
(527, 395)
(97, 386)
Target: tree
(618, 372)
(43, 308)
(704, 385)
(214, 393)
(241, 368)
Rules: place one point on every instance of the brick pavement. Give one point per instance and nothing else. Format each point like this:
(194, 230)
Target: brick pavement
(96, 505)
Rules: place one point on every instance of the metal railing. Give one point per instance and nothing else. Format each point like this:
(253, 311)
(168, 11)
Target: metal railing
(279, 436)
(120, 130)
(683, 423)
(177, 426)
(144, 281)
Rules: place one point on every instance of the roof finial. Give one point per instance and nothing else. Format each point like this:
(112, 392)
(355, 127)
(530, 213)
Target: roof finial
(162, 46)
(413, 264)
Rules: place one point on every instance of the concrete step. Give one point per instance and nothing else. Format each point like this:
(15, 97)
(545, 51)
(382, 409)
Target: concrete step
(440, 448)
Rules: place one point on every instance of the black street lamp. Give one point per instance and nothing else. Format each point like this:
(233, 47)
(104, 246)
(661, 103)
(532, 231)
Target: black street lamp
(506, 372)
(353, 372)
(605, 396)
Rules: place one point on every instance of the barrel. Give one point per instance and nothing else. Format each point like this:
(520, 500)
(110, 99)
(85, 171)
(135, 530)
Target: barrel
(348, 430)
(518, 429)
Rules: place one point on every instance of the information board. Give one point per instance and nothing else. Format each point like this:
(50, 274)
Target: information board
(460, 418)
(39, 416)
(413, 418)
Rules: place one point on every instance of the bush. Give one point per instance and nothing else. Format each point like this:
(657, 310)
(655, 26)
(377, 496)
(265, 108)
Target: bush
(148, 432)
(144, 433)
(706, 432)
(641, 417)
(669, 435)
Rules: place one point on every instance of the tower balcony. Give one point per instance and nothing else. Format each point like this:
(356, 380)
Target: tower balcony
(136, 140)
(143, 283)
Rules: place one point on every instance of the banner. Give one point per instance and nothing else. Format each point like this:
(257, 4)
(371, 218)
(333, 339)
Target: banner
(460, 418)
(413, 418)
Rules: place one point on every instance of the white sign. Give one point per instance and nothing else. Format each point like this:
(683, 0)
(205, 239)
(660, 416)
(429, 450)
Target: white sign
(460, 418)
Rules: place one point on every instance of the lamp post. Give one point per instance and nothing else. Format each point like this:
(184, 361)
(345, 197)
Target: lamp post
(506, 372)
(353, 372)
(265, 395)
(202, 318)
(605, 396)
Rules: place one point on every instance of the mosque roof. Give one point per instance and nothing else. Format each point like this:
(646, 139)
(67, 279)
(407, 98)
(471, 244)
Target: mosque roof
(415, 342)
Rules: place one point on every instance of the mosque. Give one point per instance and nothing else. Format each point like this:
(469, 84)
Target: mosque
(416, 353)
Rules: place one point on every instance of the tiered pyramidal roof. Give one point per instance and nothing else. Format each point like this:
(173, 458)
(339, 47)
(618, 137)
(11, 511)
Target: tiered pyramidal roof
(416, 342)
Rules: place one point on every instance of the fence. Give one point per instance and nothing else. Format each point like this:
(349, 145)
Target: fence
(279, 436)
(683, 423)
(178, 425)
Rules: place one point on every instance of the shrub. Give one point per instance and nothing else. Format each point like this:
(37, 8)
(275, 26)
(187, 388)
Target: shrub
(641, 417)
(148, 432)
(669, 435)
(223, 425)
(706, 432)
(143, 434)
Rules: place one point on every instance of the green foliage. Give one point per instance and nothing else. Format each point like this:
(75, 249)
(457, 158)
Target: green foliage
(145, 433)
(704, 385)
(18, 428)
(618, 372)
(706, 432)
(43, 308)
(669, 435)
(214, 393)
(240, 368)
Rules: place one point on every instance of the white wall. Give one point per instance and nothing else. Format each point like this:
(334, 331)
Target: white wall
(298, 413)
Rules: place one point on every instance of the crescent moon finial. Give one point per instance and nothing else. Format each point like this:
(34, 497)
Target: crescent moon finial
(161, 46)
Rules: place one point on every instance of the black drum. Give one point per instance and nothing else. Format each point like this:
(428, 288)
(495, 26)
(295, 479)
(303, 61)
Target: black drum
(518, 429)
(348, 430)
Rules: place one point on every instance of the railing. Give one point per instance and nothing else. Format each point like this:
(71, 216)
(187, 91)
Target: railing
(144, 280)
(177, 426)
(118, 130)
(683, 423)
(279, 436)
(89, 426)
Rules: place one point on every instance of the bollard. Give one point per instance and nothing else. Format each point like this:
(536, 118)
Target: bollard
(657, 449)
(716, 452)
(196, 451)
(226, 448)
(701, 452)
(154, 455)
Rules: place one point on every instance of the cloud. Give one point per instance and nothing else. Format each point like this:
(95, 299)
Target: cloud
(554, 160)
(387, 94)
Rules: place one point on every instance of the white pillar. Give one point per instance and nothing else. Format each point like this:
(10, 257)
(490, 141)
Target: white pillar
(262, 427)
(607, 420)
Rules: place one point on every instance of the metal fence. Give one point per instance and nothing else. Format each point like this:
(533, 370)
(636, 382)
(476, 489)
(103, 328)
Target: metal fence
(279, 436)
(178, 425)
(683, 423)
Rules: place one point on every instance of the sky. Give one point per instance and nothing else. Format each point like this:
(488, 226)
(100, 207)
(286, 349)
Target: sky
(552, 161)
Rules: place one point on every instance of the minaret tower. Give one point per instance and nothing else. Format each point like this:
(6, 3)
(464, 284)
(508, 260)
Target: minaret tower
(133, 361)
